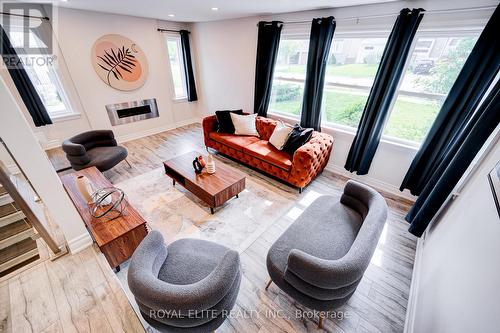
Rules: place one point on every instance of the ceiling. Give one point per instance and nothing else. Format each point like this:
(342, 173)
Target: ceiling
(201, 10)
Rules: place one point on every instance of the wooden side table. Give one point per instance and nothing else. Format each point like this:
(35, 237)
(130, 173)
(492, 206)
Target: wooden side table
(118, 238)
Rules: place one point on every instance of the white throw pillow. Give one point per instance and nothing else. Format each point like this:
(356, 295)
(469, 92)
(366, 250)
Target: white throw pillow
(244, 124)
(280, 135)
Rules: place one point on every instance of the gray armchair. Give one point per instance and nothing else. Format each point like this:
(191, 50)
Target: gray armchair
(94, 148)
(189, 286)
(322, 270)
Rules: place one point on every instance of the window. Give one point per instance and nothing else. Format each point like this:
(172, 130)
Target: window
(177, 66)
(289, 77)
(433, 68)
(351, 69)
(44, 77)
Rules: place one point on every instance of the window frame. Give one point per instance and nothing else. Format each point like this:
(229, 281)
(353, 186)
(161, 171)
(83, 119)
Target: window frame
(431, 32)
(54, 74)
(177, 38)
(424, 33)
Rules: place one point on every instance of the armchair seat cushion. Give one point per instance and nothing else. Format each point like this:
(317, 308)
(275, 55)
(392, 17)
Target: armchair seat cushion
(234, 141)
(190, 260)
(265, 151)
(104, 158)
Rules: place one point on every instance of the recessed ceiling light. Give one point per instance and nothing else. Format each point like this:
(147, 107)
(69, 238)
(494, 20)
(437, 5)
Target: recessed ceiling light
(171, 15)
(215, 8)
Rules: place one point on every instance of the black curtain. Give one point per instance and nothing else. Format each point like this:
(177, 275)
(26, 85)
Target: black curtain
(322, 30)
(268, 41)
(474, 79)
(27, 91)
(377, 108)
(454, 163)
(188, 67)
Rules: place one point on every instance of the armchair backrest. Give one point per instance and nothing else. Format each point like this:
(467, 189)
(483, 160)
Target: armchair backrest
(372, 207)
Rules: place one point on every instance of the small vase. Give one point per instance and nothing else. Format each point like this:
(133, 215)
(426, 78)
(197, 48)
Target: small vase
(85, 188)
(210, 164)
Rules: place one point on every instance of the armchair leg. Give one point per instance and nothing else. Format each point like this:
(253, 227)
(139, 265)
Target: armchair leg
(269, 283)
(320, 322)
(130, 166)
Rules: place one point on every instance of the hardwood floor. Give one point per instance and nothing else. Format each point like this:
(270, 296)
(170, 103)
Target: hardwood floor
(75, 293)
(379, 304)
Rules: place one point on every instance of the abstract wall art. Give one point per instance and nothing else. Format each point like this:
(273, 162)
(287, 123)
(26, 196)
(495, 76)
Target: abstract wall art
(119, 62)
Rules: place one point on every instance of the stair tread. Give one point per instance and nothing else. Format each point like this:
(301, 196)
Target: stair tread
(17, 249)
(13, 229)
(2, 190)
(8, 209)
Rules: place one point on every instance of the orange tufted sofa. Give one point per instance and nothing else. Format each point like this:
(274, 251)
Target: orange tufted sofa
(297, 170)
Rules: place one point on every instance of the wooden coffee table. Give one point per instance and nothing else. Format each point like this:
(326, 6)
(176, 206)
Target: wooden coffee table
(214, 189)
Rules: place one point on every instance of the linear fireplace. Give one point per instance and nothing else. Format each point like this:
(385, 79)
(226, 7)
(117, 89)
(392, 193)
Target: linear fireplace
(128, 112)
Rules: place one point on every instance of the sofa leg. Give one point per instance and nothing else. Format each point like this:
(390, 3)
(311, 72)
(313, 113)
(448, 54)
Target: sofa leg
(320, 322)
(300, 190)
(130, 166)
(269, 283)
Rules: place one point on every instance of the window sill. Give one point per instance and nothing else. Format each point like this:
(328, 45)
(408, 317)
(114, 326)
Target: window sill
(65, 117)
(351, 132)
(179, 100)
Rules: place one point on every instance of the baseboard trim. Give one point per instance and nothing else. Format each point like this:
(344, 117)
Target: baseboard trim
(79, 243)
(375, 183)
(133, 136)
(415, 279)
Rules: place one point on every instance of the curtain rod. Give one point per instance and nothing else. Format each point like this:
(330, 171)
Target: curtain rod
(168, 30)
(396, 14)
(43, 18)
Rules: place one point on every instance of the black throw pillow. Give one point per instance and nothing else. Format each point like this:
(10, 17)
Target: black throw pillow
(225, 124)
(297, 138)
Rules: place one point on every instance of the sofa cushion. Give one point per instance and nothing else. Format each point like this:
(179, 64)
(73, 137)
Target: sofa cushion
(244, 124)
(234, 141)
(224, 122)
(297, 138)
(263, 150)
(280, 135)
(104, 158)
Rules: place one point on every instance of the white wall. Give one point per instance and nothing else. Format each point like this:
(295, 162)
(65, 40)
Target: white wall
(76, 31)
(17, 134)
(226, 55)
(226, 60)
(457, 277)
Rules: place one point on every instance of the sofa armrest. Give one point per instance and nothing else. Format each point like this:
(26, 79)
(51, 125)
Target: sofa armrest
(310, 159)
(209, 125)
(328, 274)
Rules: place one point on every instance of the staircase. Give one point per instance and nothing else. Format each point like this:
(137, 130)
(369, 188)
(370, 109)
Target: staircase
(17, 245)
